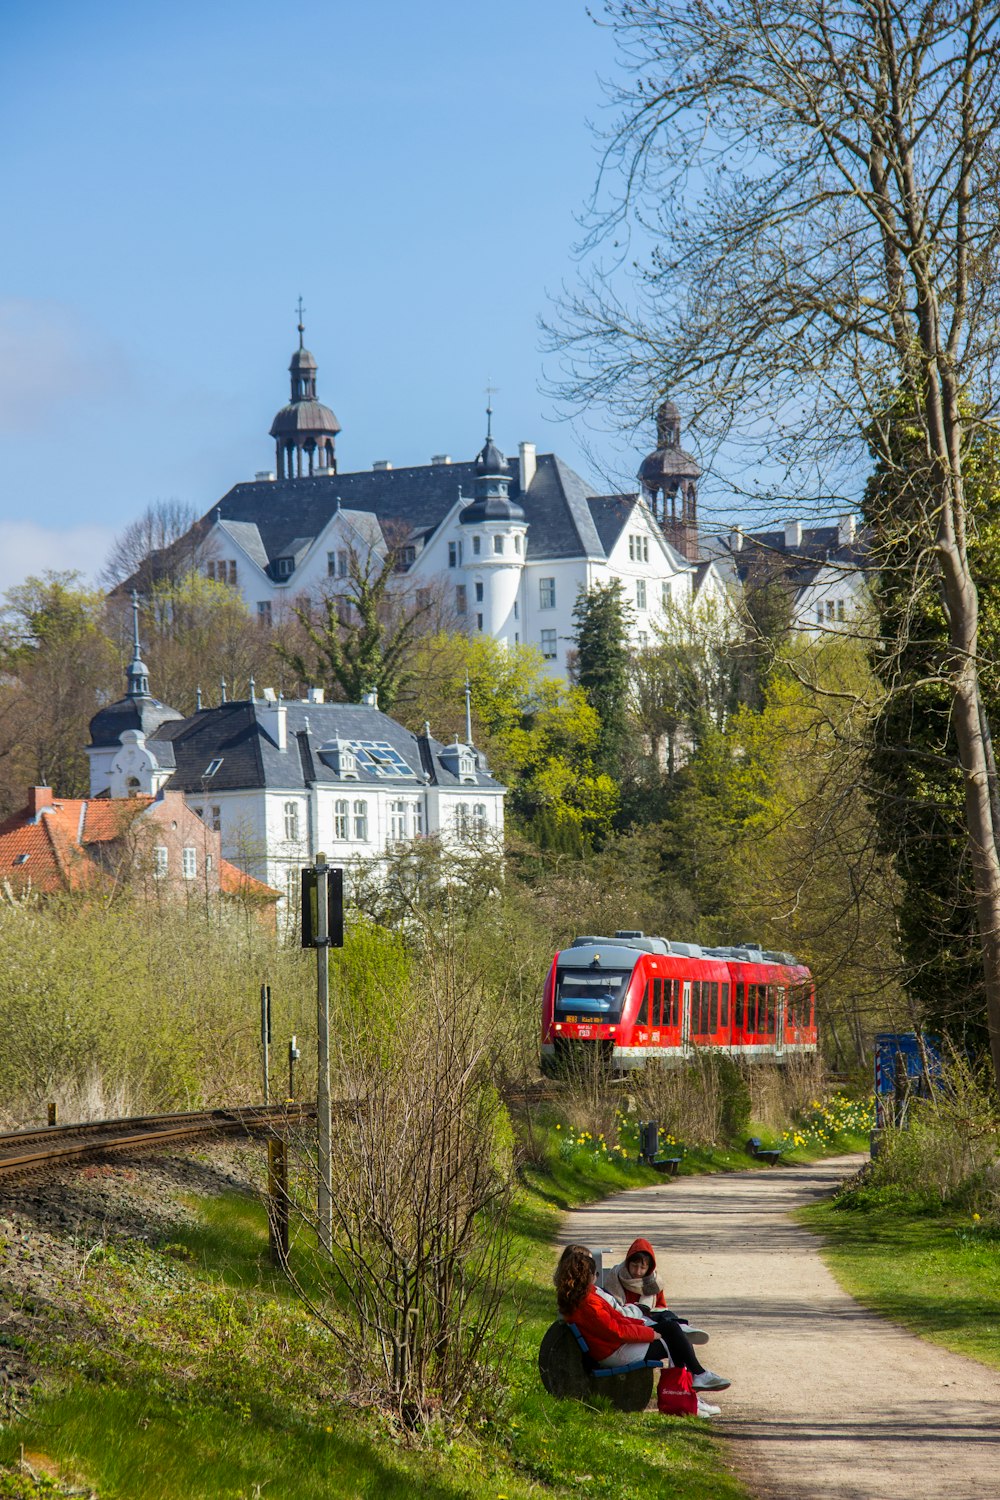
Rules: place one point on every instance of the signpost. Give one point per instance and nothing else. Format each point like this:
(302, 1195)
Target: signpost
(323, 928)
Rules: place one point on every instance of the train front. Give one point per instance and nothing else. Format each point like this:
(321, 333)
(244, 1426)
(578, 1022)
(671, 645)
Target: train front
(585, 997)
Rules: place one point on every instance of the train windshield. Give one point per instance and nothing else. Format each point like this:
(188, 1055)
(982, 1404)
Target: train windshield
(588, 994)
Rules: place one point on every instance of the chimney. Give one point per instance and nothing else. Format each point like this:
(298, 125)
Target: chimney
(39, 797)
(381, 464)
(272, 716)
(264, 476)
(846, 530)
(441, 458)
(736, 539)
(315, 695)
(526, 454)
(793, 534)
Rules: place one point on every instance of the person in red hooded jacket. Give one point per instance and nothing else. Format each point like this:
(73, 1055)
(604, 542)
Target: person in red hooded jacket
(634, 1283)
(613, 1337)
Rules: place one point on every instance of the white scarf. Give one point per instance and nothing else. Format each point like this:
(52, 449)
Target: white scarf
(644, 1286)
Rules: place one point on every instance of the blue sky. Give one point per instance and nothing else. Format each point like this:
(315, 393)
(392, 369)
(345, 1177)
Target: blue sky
(176, 175)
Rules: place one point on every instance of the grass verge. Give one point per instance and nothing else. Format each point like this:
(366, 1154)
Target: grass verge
(200, 1378)
(933, 1271)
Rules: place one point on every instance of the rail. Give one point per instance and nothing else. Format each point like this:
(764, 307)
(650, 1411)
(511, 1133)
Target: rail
(56, 1145)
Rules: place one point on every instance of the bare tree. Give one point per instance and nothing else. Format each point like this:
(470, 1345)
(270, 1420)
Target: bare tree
(822, 180)
(154, 547)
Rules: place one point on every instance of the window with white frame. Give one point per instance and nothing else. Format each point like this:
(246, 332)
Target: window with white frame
(292, 822)
(546, 593)
(665, 594)
(418, 820)
(263, 612)
(397, 821)
(454, 554)
(161, 861)
(462, 820)
(461, 599)
(189, 862)
(517, 610)
(216, 823)
(517, 541)
(479, 622)
(476, 542)
(643, 639)
(819, 613)
(341, 821)
(480, 822)
(331, 565)
(479, 593)
(640, 593)
(361, 820)
(829, 609)
(841, 609)
(498, 543)
(342, 563)
(549, 645)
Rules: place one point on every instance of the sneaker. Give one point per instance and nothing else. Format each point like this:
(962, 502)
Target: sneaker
(706, 1409)
(709, 1381)
(695, 1335)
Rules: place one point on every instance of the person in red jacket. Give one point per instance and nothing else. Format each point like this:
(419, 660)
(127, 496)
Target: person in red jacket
(613, 1337)
(634, 1282)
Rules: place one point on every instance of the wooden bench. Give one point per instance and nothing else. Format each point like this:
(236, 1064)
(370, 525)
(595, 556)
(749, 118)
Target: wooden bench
(563, 1367)
(760, 1152)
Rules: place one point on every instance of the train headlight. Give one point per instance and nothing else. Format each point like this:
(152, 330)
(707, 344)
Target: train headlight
(559, 1026)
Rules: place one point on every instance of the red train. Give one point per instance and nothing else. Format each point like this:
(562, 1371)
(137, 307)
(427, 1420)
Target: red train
(635, 998)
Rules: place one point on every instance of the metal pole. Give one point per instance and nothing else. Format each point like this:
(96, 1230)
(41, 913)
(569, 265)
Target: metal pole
(293, 1056)
(324, 1124)
(265, 1037)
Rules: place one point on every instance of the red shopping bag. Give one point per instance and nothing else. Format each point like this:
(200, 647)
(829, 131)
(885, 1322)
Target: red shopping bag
(675, 1394)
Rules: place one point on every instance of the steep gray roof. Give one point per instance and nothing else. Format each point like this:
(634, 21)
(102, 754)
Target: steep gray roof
(233, 734)
(266, 513)
(247, 534)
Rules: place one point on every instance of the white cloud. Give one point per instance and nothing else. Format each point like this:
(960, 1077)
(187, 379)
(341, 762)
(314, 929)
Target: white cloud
(27, 549)
(48, 359)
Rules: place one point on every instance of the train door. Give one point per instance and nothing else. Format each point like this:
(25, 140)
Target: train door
(686, 1019)
(779, 1020)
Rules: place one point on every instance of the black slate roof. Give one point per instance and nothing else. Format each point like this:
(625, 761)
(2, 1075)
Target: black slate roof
(234, 734)
(555, 505)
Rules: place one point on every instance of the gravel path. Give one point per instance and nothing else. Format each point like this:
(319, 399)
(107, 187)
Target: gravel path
(828, 1401)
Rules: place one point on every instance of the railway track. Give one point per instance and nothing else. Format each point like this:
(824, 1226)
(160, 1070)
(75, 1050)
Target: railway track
(47, 1147)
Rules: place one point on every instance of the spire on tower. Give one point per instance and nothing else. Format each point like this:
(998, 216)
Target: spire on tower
(137, 677)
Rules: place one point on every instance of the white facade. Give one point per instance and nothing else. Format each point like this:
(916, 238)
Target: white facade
(482, 573)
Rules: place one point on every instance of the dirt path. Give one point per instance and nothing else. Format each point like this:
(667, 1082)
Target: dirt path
(828, 1401)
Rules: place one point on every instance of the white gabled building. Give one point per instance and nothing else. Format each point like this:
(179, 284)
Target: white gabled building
(505, 547)
(822, 566)
(282, 781)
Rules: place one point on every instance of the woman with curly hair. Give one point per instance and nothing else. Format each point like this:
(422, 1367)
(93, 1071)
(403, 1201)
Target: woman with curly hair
(613, 1337)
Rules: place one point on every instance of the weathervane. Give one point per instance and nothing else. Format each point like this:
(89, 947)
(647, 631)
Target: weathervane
(302, 327)
(491, 391)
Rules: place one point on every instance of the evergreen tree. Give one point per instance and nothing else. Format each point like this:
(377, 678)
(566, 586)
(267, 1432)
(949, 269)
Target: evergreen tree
(917, 776)
(602, 617)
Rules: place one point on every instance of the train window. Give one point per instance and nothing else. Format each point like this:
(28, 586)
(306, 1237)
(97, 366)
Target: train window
(658, 1019)
(590, 994)
(714, 1026)
(724, 1006)
(753, 998)
(740, 1006)
(772, 995)
(704, 1001)
(675, 1004)
(642, 1019)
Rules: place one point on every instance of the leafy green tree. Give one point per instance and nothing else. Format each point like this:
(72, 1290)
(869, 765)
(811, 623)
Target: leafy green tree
(362, 639)
(602, 618)
(540, 734)
(913, 753)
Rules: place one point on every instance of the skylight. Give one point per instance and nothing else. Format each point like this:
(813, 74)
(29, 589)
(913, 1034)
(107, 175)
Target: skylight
(213, 766)
(379, 758)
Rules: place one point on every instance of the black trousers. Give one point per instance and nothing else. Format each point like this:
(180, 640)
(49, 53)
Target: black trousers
(671, 1334)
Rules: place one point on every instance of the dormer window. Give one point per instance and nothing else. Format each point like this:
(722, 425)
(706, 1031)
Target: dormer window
(341, 757)
(285, 567)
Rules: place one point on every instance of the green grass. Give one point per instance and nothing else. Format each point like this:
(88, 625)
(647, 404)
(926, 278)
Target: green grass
(203, 1379)
(934, 1272)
